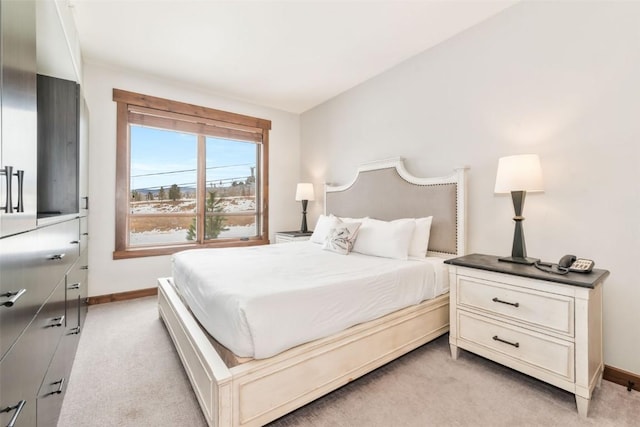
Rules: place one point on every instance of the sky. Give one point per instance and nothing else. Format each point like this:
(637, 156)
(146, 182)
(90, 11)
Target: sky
(162, 158)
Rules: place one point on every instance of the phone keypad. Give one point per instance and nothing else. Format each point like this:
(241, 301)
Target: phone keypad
(581, 264)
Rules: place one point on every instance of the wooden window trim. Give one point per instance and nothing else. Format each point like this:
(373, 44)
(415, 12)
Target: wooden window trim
(132, 108)
(137, 99)
(162, 122)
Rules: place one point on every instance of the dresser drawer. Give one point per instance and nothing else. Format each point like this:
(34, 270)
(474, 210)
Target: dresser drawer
(550, 311)
(49, 325)
(59, 249)
(18, 380)
(25, 364)
(540, 351)
(21, 295)
(56, 380)
(84, 233)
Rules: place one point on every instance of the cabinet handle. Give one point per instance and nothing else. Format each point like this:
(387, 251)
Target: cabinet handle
(20, 175)
(59, 322)
(85, 234)
(56, 257)
(515, 304)
(84, 267)
(74, 242)
(60, 388)
(86, 202)
(74, 331)
(13, 297)
(74, 286)
(516, 344)
(18, 408)
(8, 174)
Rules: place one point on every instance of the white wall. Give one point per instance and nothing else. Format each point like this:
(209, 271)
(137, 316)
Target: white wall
(560, 79)
(107, 276)
(71, 33)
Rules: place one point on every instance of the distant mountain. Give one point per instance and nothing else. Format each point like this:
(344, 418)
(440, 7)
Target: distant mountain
(156, 190)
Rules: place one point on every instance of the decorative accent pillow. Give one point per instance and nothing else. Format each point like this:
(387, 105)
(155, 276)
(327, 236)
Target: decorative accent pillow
(324, 224)
(420, 239)
(388, 239)
(341, 237)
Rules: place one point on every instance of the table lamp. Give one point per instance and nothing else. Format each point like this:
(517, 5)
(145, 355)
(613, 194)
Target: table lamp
(517, 175)
(304, 193)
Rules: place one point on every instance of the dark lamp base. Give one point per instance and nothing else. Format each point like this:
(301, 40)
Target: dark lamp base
(518, 260)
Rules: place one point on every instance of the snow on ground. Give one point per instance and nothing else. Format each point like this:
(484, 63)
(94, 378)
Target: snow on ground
(180, 235)
(229, 204)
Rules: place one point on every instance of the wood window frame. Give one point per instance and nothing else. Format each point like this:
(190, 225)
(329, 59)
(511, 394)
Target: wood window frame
(135, 108)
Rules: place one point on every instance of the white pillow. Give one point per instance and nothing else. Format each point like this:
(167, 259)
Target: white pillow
(420, 239)
(341, 237)
(388, 239)
(347, 219)
(324, 224)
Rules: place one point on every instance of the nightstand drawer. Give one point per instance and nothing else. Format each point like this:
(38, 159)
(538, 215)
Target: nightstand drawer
(550, 311)
(530, 348)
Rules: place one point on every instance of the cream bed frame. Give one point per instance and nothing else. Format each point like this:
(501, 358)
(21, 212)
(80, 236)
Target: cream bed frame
(262, 390)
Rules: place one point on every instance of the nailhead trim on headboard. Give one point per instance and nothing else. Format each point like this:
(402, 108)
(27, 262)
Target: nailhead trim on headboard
(403, 201)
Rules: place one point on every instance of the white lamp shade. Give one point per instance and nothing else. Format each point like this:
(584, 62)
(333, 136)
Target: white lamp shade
(304, 191)
(519, 173)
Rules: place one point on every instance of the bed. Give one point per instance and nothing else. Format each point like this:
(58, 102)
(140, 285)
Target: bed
(268, 383)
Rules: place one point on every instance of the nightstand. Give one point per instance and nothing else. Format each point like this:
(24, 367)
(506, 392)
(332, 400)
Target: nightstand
(292, 236)
(545, 325)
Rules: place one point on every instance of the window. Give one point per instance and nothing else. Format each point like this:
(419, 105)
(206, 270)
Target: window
(187, 177)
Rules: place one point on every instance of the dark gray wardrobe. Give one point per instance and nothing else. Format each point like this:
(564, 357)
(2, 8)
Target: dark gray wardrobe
(43, 225)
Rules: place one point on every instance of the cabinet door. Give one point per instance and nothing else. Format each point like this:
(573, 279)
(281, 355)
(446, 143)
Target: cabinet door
(18, 117)
(83, 184)
(57, 146)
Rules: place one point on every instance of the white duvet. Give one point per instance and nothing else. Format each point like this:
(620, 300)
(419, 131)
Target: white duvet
(259, 301)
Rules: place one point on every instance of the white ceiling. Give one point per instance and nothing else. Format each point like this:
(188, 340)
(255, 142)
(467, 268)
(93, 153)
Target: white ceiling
(287, 55)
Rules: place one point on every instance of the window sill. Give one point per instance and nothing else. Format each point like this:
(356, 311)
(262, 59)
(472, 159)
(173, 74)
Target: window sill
(169, 250)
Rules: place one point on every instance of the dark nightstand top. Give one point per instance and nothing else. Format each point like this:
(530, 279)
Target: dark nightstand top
(295, 233)
(491, 263)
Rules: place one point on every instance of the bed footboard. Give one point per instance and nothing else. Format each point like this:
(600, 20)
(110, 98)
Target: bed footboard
(260, 391)
(210, 378)
(269, 388)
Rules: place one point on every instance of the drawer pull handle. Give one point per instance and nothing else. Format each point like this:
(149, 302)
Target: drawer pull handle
(516, 344)
(515, 304)
(7, 171)
(59, 322)
(13, 297)
(74, 286)
(74, 242)
(84, 267)
(74, 331)
(56, 257)
(18, 408)
(20, 175)
(60, 388)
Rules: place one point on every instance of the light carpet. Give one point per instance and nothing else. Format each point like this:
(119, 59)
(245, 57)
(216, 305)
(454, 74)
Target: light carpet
(127, 373)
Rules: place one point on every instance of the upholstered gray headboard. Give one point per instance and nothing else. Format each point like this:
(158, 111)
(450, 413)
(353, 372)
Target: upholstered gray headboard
(386, 190)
